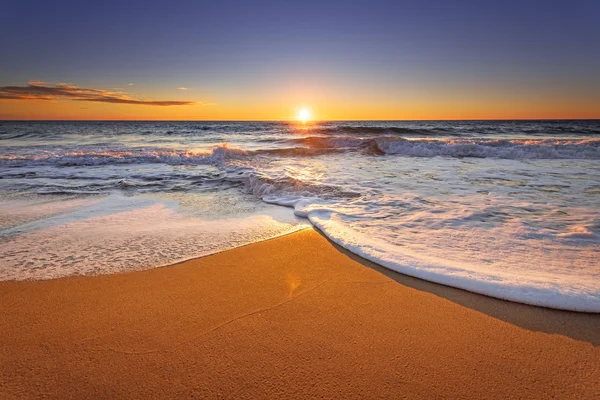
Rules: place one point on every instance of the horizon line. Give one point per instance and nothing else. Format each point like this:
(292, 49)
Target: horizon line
(299, 122)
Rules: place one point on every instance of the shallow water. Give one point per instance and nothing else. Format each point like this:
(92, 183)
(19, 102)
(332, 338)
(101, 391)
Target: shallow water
(508, 209)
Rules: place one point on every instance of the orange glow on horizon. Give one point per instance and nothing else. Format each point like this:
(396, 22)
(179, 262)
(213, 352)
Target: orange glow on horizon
(331, 107)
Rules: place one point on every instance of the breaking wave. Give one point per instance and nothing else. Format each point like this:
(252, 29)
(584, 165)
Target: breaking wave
(498, 148)
(481, 148)
(318, 145)
(109, 156)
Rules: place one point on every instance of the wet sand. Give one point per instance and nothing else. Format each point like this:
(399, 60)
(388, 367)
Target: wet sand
(292, 317)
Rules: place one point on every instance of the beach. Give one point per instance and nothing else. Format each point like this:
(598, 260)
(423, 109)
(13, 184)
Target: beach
(316, 200)
(291, 317)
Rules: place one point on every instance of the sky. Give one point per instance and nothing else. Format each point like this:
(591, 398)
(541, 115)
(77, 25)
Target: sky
(266, 60)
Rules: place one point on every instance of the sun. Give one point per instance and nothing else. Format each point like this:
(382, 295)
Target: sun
(303, 115)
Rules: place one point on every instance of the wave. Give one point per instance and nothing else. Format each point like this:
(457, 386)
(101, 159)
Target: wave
(318, 145)
(499, 148)
(107, 156)
(480, 148)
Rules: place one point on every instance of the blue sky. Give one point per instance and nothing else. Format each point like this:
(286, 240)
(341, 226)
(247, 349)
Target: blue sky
(234, 51)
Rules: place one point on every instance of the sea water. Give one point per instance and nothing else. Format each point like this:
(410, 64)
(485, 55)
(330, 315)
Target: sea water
(509, 209)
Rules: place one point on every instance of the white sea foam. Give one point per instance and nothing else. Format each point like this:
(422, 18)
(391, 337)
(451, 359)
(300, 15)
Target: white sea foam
(555, 289)
(121, 234)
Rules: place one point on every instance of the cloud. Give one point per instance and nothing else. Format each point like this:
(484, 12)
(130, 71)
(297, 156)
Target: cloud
(142, 102)
(37, 90)
(182, 88)
(130, 84)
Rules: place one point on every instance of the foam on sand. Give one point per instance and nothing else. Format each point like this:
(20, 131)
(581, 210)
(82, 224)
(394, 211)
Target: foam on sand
(553, 289)
(119, 234)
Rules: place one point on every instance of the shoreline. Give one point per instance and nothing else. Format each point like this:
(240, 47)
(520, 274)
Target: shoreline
(372, 264)
(289, 317)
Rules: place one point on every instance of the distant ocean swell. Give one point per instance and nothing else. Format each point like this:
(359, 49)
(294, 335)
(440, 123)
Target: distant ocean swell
(457, 131)
(419, 129)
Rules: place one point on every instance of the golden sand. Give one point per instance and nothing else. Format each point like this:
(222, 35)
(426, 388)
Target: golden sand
(293, 317)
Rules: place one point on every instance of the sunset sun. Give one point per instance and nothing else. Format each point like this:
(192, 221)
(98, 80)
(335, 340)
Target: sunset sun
(303, 115)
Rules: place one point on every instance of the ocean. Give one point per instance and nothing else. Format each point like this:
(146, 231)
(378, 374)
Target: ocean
(509, 209)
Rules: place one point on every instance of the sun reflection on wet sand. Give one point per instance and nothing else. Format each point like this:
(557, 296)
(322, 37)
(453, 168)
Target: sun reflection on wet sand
(293, 283)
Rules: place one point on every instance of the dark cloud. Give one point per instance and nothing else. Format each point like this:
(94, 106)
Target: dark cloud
(37, 90)
(142, 102)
